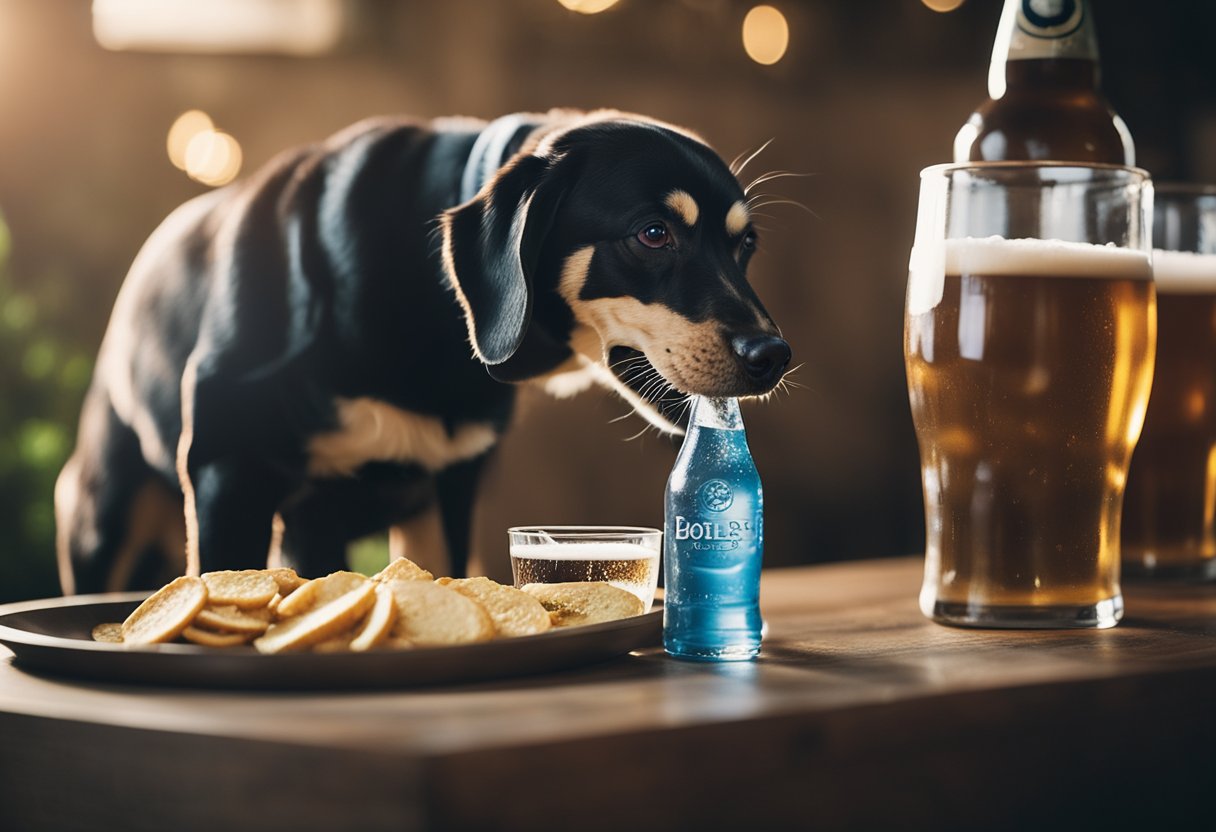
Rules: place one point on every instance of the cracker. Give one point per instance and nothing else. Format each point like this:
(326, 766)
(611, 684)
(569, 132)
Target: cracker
(286, 578)
(207, 638)
(318, 592)
(231, 619)
(379, 622)
(430, 614)
(514, 613)
(244, 588)
(322, 622)
(585, 602)
(108, 633)
(166, 612)
(403, 569)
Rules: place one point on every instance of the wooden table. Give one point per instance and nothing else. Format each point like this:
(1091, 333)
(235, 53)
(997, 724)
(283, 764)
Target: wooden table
(860, 715)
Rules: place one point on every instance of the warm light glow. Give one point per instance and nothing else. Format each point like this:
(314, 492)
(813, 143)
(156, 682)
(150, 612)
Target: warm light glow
(943, 5)
(213, 158)
(293, 27)
(765, 35)
(188, 125)
(588, 6)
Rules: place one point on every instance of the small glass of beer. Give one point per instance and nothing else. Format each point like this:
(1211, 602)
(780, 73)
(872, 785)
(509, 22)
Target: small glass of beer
(624, 556)
(1029, 336)
(1169, 513)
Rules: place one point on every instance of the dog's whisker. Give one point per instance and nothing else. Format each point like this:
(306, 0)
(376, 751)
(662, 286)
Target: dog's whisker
(633, 359)
(635, 373)
(641, 433)
(735, 161)
(754, 199)
(771, 175)
(653, 385)
(754, 154)
(789, 382)
(640, 373)
(793, 202)
(646, 385)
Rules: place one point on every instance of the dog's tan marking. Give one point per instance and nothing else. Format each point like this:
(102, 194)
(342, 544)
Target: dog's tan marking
(184, 441)
(373, 430)
(684, 206)
(274, 558)
(692, 356)
(572, 376)
(737, 219)
(67, 504)
(421, 539)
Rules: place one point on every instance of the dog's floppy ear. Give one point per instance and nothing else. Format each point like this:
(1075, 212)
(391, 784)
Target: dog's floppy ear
(492, 245)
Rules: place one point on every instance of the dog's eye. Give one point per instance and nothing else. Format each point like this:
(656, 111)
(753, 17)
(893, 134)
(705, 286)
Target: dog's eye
(749, 241)
(654, 235)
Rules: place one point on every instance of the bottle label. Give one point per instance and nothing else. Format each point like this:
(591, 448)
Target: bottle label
(715, 530)
(1050, 29)
(717, 535)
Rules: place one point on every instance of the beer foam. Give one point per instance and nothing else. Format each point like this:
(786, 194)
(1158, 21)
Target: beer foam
(1183, 272)
(600, 550)
(1045, 258)
(998, 256)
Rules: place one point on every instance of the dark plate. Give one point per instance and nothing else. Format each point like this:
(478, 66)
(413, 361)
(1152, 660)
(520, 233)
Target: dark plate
(54, 636)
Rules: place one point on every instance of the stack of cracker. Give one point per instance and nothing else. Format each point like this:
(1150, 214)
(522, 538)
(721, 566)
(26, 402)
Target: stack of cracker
(400, 607)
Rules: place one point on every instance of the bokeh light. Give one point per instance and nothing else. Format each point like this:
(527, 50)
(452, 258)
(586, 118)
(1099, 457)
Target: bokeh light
(943, 5)
(213, 158)
(588, 6)
(766, 35)
(188, 125)
(206, 154)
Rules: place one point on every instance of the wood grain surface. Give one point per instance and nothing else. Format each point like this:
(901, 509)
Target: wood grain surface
(859, 715)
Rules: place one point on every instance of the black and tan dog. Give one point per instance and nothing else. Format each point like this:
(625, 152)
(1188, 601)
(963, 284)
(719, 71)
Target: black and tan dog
(296, 347)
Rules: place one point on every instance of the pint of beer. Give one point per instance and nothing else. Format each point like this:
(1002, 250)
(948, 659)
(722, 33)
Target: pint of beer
(1029, 340)
(1169, 515)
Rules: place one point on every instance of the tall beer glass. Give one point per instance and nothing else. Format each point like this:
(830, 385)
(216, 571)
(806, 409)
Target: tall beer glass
(1029, 336)
(1169, 515)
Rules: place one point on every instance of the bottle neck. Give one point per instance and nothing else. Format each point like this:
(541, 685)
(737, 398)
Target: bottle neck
(722, 414)
(1044, 42)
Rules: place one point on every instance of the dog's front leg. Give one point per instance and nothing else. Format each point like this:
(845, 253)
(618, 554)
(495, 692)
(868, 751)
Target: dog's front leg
(457, 489)
(230, 508)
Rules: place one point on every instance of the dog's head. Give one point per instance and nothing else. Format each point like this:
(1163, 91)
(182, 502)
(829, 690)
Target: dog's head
(615, 241)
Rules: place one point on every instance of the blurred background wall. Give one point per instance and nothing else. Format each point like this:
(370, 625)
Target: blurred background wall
(869, 92)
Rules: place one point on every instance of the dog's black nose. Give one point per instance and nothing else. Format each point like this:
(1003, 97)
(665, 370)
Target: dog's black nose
(765, 357)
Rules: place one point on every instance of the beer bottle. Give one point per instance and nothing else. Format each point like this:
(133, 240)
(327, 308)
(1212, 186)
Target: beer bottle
(713, 540)
(1044, 98)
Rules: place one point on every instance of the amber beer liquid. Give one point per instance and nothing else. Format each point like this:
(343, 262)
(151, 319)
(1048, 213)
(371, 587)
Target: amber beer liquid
(629, 566)
(1169, 514)
(1029, 369)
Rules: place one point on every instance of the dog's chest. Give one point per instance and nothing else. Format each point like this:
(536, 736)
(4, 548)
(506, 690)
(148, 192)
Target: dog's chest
(375, 431)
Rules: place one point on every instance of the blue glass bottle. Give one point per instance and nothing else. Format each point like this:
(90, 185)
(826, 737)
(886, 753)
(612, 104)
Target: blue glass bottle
(713, 540)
